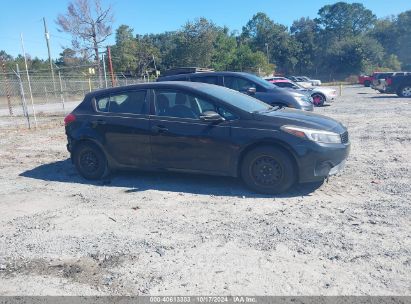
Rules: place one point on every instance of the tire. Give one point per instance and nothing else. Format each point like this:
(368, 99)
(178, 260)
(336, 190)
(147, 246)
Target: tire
(268, 170)
(90, 161)
(367, 83)
(318, 99)
(404, 91)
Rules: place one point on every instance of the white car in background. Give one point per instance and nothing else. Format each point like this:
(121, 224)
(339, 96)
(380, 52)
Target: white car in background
(320, 95)
(315, 82)
(305, 81)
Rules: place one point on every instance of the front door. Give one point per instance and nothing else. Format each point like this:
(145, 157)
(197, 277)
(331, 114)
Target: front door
(181, 140)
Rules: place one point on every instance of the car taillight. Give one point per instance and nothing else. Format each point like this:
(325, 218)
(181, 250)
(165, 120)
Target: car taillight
(388, 81)
(69, 119)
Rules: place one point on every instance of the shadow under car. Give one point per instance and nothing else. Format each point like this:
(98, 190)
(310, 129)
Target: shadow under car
(136, 181)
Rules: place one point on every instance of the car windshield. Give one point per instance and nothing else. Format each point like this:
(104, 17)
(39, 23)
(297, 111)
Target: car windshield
(262, 82)
(288, 84)
(236, 99)
(297, 86)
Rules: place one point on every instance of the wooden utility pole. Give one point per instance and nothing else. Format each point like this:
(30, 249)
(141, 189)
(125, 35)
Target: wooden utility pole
(104, 69)
(110, 66)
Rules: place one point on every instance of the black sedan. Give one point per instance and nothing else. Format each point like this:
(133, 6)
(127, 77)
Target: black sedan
(203, 128)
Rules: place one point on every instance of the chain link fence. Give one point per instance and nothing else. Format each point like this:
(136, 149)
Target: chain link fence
(35, 99)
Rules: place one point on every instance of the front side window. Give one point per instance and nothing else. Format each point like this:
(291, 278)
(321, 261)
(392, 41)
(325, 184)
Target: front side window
(179, 104)
(238, 84)
(133, 102)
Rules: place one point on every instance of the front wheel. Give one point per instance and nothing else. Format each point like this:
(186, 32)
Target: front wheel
(318, 99)
(268, 170)
(404, 91)
(90, 161)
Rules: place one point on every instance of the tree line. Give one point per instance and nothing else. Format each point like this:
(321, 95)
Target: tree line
(344, 39)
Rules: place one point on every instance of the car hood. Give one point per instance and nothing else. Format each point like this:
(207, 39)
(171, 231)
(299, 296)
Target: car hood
(288, 91)
(286, 116)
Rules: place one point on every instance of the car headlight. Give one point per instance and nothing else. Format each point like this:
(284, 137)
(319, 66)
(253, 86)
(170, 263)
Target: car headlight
(320, 136)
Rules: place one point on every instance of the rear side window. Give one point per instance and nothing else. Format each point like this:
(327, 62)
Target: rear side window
(133, 102)
(205, 79)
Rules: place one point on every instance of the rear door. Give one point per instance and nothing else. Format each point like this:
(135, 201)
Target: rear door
(181, 140)
(122, 121)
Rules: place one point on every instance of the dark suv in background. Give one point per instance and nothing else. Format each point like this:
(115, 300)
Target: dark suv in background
(399, 84)
(245, 83)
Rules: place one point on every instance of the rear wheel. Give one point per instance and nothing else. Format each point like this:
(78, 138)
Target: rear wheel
(90, 161)
(318, 99)
(268, 170)
(367, 83)
(404, 91)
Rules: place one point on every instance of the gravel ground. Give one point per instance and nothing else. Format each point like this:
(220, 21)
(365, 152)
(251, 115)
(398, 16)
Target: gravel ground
(175, 234)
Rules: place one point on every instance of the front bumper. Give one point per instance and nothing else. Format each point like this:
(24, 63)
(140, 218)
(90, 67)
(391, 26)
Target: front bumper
(331, 96)
(318, 161)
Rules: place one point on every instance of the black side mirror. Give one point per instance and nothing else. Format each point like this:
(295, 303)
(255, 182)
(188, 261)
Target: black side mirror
(251, 91)
(211, 116)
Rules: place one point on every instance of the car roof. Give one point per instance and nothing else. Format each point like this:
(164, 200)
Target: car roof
(206, 74)
(152, 85)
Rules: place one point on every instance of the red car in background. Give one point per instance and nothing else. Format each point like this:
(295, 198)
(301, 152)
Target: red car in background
(365, 80)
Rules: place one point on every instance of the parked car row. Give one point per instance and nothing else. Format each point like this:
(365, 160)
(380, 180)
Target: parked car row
(207, 123)
(369, 80)
(245, 83)
(319, 95)
(305, 81)
(379, 81)
(393, 83)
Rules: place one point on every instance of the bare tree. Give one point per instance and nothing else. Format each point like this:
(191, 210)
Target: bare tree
(89, 25)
